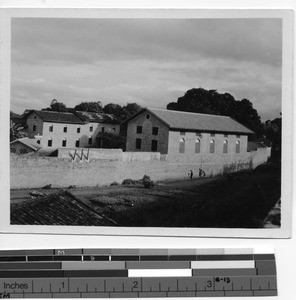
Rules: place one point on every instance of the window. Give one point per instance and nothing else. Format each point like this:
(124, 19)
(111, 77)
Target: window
(139, 129)
(64, 143)
(147, 116)
(138, 144)
(103, 129)
(91, 128)
(197, 146)
(13, 150)
(225, 146)
(238, 136)
(182, 132)
(155, 130)
(38, 142)
(237, 147)
(154, 145)
(50, 128)
(34, 127)
(182, 145)
(78, 129)
(212, 146)
(77, 143)
(49, 142)
(225, 135)
(212, 134)
(65, 128)
(90, 140)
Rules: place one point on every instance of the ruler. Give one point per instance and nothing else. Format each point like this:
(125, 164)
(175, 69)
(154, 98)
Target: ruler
(134, 273)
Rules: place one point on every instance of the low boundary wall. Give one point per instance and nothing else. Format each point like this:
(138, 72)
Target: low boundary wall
(63, 171)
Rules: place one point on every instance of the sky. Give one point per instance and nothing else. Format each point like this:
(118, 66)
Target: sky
(148, 61)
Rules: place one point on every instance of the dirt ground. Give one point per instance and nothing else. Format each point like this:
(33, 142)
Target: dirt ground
(241, 200)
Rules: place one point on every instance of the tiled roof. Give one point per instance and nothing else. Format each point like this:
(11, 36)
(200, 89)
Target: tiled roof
(58, 117)
(193, 121)
(28, 142)
(56, 209)
(97, 117)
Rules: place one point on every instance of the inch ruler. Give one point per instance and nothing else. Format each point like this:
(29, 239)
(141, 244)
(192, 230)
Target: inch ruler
(136, 273)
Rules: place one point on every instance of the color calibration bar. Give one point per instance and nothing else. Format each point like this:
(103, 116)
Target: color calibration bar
(136, 273)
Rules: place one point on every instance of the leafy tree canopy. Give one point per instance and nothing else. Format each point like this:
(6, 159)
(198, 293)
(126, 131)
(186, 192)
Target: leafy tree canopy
(89, 106)
(55, 105)
(122, 112)
(204, 101)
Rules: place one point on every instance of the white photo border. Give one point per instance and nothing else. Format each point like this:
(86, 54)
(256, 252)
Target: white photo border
(287, 113)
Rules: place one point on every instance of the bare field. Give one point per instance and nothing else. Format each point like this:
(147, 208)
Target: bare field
(241, 200)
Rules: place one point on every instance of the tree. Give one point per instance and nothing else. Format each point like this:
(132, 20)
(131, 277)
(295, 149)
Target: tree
(122, 112)
(116, 110)
(272, 130)
(111, 141)
(211, 102)
(89, 106)
(55, 105)
(16, 124)
(131, 109)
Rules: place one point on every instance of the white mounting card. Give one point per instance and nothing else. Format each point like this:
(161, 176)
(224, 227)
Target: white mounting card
(154, 59)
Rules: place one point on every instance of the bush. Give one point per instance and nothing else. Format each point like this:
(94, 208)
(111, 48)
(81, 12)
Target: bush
(128, 182)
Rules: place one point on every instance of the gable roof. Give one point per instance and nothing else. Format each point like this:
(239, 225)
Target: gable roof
(179, 120)
(57, 117)
(93, 117)
(31, 143)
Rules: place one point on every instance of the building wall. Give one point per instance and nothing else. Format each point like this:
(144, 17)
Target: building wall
(34, 172)
(190, 138)
(71, 136)
(20, 148)
(146, 136)
(31, 120)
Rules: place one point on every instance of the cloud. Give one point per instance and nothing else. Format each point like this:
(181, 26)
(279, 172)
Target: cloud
(148, 61)
(91, 40)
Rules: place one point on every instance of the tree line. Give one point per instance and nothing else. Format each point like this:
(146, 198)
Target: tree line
(121, 112)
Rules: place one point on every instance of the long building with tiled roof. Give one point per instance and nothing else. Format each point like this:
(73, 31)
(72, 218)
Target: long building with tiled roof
(70, 129)
(184, 133)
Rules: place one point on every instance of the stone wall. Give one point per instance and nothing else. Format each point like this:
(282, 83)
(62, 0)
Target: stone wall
(63, 171)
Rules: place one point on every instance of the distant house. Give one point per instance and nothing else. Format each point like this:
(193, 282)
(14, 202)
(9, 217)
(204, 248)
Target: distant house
(70, 130)
(24, 146)
(185, 134)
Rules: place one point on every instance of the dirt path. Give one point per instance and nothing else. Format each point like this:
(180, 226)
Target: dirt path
(19, 195)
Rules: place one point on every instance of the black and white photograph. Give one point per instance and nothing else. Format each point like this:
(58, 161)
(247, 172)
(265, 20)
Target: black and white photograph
(171, 121)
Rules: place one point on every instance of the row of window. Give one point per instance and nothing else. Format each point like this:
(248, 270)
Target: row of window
(64, 142)
(65, 129)
(211, 146)
(154, 130)
(212, 134)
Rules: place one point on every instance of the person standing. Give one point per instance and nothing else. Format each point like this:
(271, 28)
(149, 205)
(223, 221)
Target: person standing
(190, 174)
